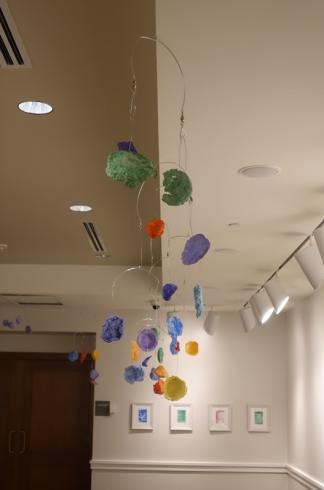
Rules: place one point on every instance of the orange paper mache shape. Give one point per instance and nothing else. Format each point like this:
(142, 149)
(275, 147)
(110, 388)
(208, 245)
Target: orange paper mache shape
(135, 351)
(192, 348)
(161, 372)
(95, 355)
(155, 228)
(158, 387)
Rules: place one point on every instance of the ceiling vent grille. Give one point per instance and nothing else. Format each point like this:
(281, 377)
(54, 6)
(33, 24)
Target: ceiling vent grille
(12, 51)
(95, 240)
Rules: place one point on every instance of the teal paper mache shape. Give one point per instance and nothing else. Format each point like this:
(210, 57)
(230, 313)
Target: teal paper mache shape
(130, 168)
(177, 187)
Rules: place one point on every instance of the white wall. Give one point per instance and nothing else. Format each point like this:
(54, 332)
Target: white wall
(232, 368)
(306, 386)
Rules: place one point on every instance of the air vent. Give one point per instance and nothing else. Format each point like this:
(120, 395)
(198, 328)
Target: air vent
(12, 51)
(95, 240)
(30, 299)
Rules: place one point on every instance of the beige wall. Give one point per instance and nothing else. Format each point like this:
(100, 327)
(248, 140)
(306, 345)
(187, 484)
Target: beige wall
(306, 386)
(45, 342)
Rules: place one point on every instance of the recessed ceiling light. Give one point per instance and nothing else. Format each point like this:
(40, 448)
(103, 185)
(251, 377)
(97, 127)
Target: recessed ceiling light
(35, 107)
(259, 171)
(81, 208)
(226, 250)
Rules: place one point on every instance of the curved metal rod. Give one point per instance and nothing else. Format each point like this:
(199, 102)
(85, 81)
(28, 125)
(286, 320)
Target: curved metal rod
(158, 41)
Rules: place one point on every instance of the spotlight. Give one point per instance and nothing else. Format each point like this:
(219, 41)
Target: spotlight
(262, 306)
(211, 322)
(248, 318)
(319, 237)
(311, 264)
(277, 295)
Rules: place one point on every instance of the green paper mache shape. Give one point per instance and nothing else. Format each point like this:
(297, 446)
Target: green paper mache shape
(130, 168)
(177, 187)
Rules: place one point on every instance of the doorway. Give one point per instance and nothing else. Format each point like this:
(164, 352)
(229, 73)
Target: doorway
(46, 407)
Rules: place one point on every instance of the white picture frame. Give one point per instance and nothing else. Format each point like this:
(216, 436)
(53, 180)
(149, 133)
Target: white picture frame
(258, 418)
(220, 418)
(181, 418)
(142, 416)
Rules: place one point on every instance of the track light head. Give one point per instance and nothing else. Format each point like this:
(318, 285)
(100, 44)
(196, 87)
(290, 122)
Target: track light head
(211, 322)
(248, 318)
(311, 264)
(262, 306)
(276, 293)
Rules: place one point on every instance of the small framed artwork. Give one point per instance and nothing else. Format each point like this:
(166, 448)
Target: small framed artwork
(258, 419)
(220, 418)
(142, 416)
(181, 418)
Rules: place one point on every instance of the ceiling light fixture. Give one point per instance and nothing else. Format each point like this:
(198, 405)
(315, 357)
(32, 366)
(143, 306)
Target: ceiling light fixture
(259, 171)
(3, 247)
(262, 306)
(80, 208)
(35, 107)
(276, 293)
(310, 261)
(211, 322)
(249, 320)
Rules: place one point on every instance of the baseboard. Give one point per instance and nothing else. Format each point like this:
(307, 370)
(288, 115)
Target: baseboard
(304, 479)
(185, 466)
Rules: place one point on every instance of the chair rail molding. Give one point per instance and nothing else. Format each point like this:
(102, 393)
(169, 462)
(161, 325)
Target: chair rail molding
(304, 479)
(185, 466)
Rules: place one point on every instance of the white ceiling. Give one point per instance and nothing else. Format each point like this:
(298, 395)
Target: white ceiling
(255, 75)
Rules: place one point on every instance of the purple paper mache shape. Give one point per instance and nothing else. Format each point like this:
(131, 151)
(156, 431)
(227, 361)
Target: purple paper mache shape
(168, 291)
(112, 329)
(73, 356)
(153, 375)
(5, 323)
(147, 339)
(175, 327)
(126, 146)
(19, 319)
(134, 373)
(173, 347)
(195, 248)
(94, 374)
(146, 360)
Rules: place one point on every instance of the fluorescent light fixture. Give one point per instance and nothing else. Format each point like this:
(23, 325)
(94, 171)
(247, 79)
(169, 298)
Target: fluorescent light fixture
(80, 208)
(276, 293)
(211, 322)
(35, 107)
(262, 306)
(311, 264)
(248, 318)
(319, 237)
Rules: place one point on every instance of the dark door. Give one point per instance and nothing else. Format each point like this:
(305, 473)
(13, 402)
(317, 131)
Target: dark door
(51, 445)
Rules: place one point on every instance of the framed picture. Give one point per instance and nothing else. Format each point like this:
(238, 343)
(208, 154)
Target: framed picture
(142, 416)
(220, 418)
(258, 419)
(181, 418)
